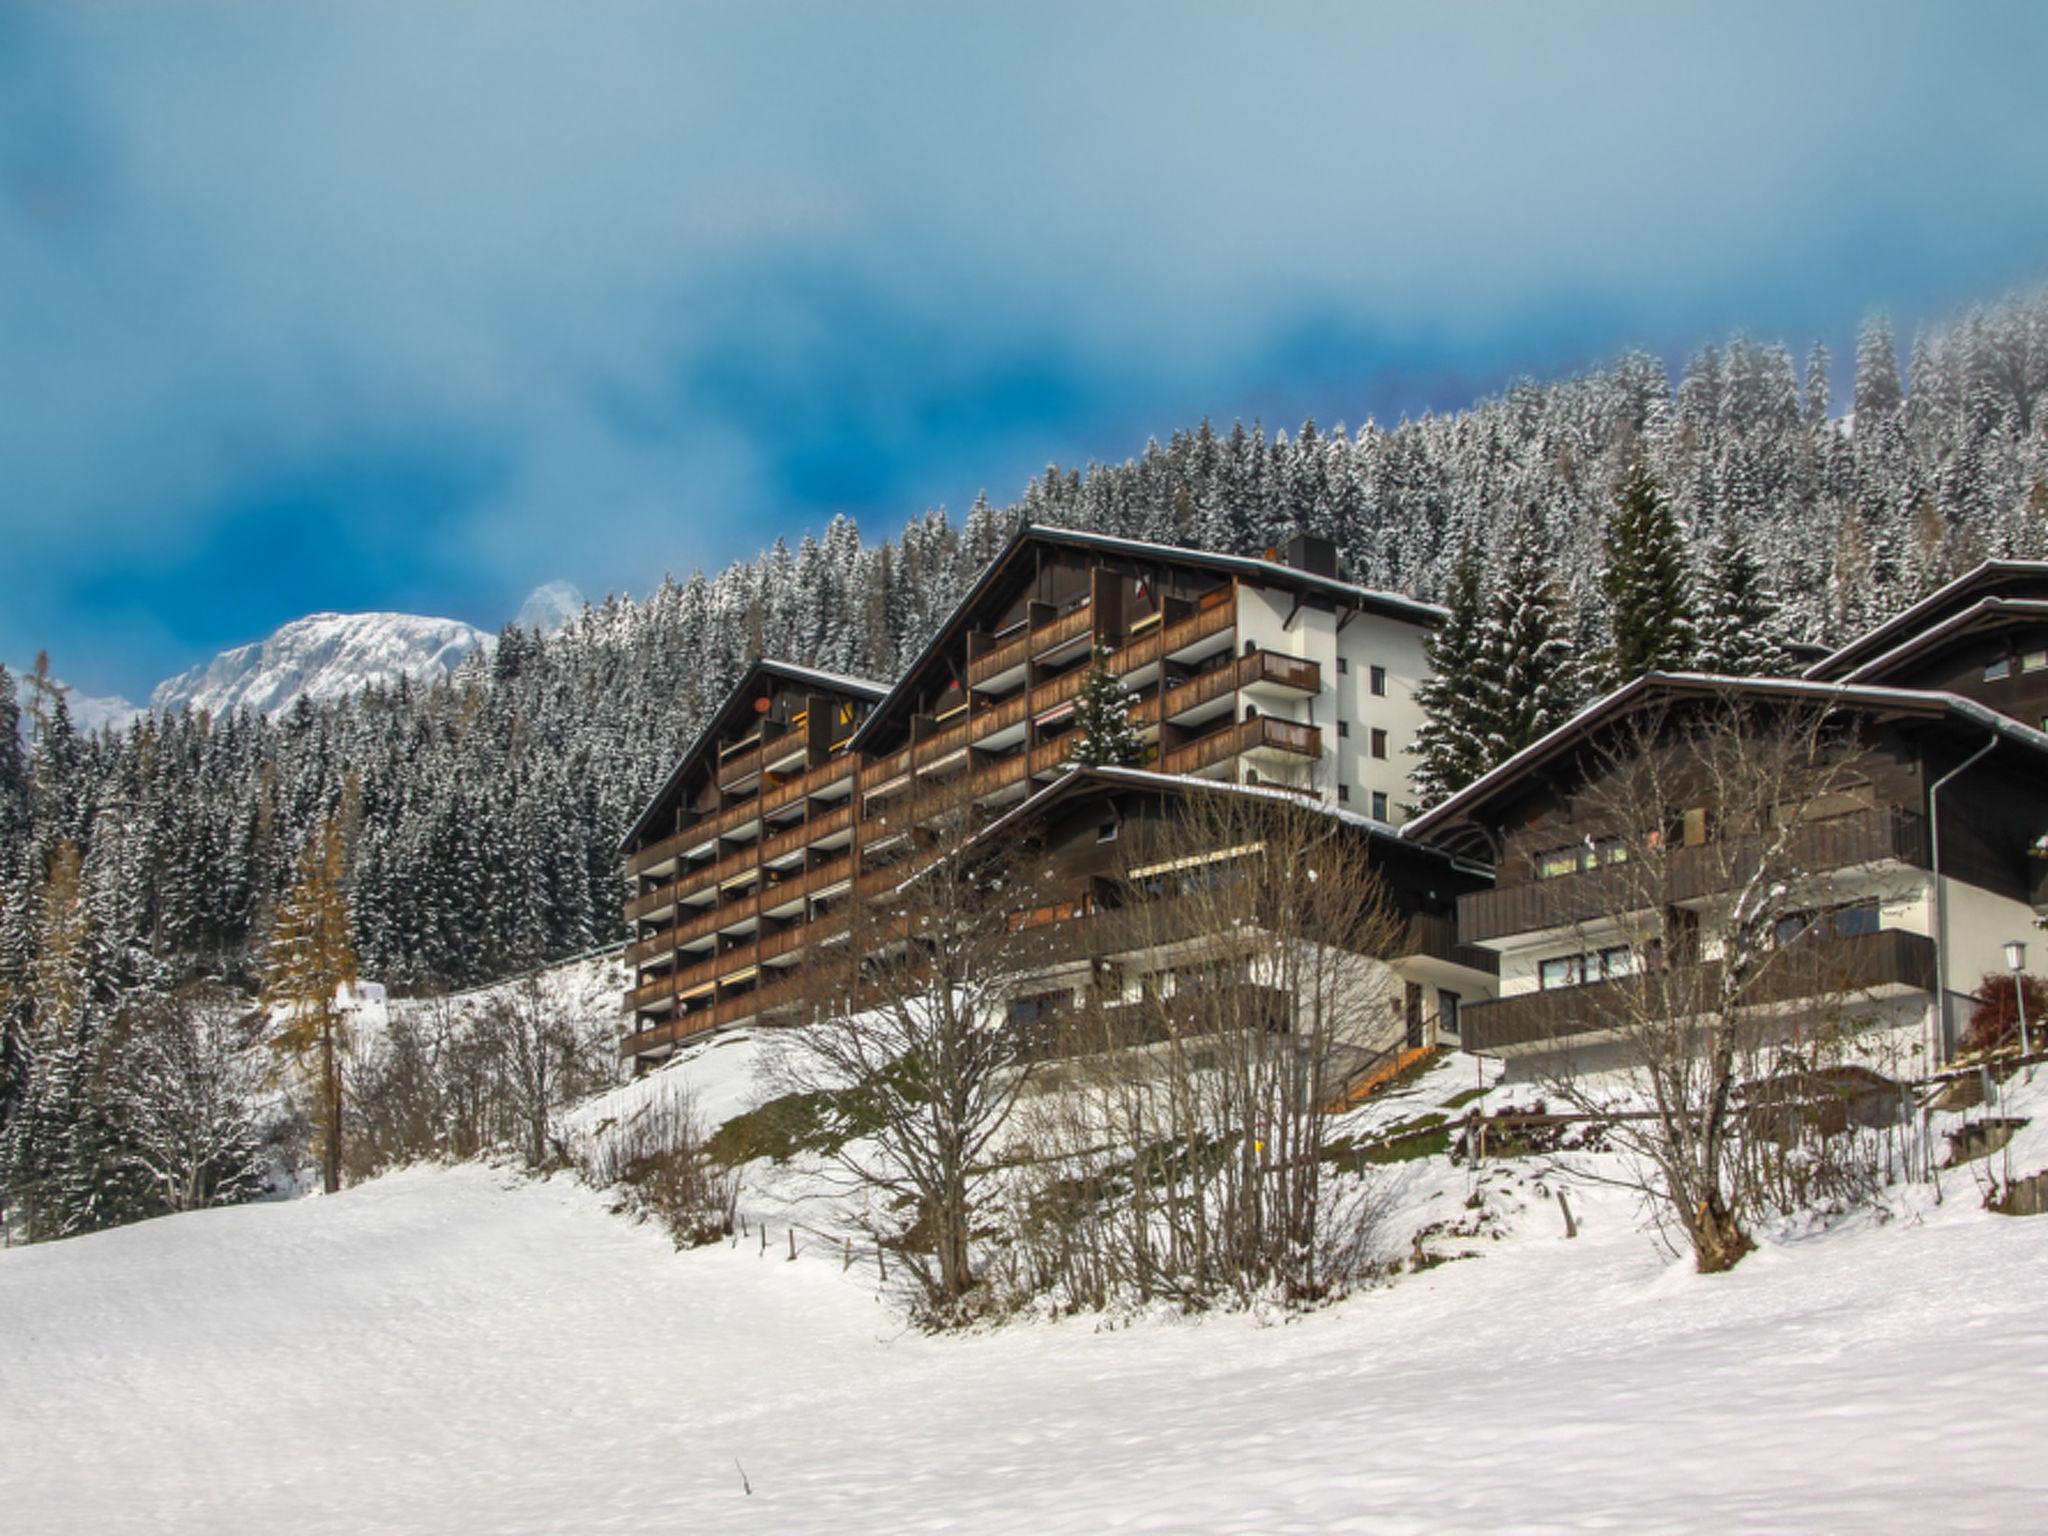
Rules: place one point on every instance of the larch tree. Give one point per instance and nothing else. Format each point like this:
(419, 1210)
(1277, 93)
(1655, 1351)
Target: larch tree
(1645, 581)
(311, 957)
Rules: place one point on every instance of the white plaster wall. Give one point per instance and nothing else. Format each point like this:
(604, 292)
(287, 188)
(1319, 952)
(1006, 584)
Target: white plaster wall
(1366, 641)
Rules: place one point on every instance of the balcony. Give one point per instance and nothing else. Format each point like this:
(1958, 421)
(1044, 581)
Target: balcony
(1685, 875)
(1270, 669)
(775, 997)
(1436, 938)
(1204, 623)
(1841, 971)
(1262, 733)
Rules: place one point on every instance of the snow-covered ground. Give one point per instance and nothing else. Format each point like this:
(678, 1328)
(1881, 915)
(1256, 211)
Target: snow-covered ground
(462, 1350)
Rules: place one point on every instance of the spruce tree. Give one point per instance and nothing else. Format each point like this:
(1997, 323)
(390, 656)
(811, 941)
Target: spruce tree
(1645, 582)
(1877, 372)
(1738, 615)
(1525, 681)
(1450, 747)
(1103, 734)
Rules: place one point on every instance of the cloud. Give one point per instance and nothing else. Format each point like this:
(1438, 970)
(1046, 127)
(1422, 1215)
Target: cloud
(434, 302)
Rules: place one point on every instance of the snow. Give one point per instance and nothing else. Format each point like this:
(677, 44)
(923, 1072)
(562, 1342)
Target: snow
(463, 1349)
(549, 606)
(88, 713)
(321, 657)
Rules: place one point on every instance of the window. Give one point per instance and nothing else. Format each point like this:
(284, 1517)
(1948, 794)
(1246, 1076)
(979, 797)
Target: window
(1446, 1012)
(1344, 728)
(1379, 742)
(2000, 668)
(2034, 661)
(1555, 862)
(1106, 833)
(1609, 964)
(1379, 805)
(1343, 793)
(1619, 960)
(1377, 680)
(1343, 666)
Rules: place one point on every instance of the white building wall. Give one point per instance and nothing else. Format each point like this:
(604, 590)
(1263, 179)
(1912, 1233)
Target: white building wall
(1347, 711)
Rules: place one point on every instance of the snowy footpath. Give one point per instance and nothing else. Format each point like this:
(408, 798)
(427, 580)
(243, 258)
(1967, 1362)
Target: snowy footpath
(461, 1351)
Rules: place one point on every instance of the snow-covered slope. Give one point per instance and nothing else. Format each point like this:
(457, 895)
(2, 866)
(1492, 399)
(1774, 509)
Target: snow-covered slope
(322, 656)
(462, 1350)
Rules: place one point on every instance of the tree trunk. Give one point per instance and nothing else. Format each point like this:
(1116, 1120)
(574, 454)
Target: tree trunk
(330, 1086)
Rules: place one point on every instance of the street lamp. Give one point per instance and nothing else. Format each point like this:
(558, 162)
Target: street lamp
(2016, 958)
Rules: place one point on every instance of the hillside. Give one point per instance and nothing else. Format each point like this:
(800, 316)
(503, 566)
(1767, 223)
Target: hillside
(447, 1349)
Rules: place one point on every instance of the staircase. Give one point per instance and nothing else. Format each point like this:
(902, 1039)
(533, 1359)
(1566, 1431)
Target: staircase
(1374, 1074)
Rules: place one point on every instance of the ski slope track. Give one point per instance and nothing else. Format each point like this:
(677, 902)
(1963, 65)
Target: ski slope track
(461, 1350)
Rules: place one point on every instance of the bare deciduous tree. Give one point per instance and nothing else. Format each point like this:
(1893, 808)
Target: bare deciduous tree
(1239, 983)
(1716, 980)
(910, 1010)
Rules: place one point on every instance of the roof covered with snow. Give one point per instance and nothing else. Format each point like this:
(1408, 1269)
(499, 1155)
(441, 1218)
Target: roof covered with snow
(1657, 685)
(1994, 578)
(1271, 573)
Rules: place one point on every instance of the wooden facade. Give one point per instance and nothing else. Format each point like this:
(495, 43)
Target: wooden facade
(805, 791)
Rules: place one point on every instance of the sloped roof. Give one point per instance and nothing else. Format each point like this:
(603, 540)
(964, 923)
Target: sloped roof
(1267, 572)
(1916, 701)
(1936, 634)
(1991, 579)
(749, 680)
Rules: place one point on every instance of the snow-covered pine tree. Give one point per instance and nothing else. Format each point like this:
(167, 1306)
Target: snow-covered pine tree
(1645, 582)
(1738, 615)
(1450, 747)
(1103, 735)
(1525, 680)
(1877, 372)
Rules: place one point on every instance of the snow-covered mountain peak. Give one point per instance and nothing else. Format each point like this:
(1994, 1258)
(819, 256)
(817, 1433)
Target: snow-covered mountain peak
(322, 656)
(549, 606)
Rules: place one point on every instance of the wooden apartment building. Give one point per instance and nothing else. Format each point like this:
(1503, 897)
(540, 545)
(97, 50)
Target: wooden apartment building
(1919, 891)
(802, 793)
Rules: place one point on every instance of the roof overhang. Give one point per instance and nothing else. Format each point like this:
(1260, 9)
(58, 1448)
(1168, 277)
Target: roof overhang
(749, 681)
(1028, 535)
(1984, 580)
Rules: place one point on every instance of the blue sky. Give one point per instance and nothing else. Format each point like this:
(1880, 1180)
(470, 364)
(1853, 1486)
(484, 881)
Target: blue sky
(419, 306)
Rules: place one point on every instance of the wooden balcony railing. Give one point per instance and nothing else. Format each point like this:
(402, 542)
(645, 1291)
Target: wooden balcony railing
(739, 765)
(1067, 627)
(1834, 973)
(1199, 625)
(749, 1005)
(1012, 652)
(651, 993)
(1203, 688)
(1437, 938)
(1262, 733)
(1287, 671)
(1681, 875)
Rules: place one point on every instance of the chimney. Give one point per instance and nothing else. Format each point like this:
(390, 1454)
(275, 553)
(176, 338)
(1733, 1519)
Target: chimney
(1312, 553)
